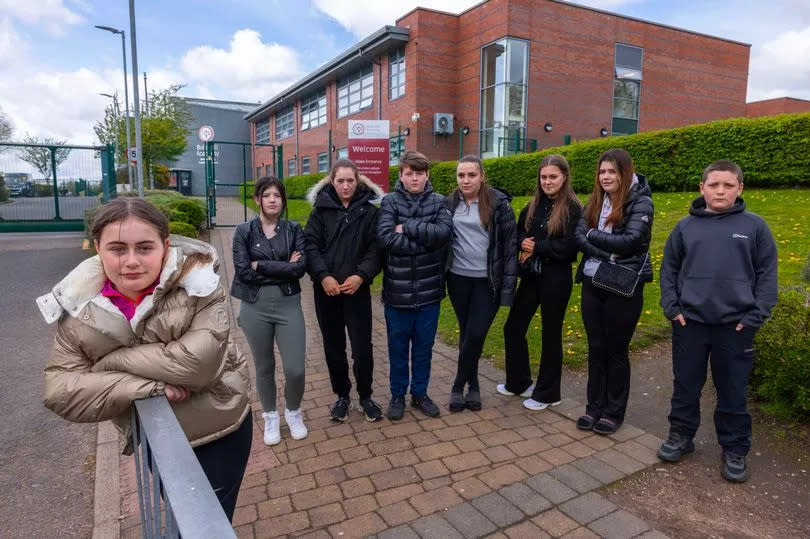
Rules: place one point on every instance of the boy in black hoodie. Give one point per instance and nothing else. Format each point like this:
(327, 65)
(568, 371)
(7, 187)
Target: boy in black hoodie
(718, 285)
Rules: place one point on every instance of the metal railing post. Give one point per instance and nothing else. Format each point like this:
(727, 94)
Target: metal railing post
(57, 217)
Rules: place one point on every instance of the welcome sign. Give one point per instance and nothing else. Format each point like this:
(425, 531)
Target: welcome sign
(368, 148)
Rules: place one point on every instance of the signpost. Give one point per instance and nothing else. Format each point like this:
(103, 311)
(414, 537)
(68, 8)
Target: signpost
(369, 147)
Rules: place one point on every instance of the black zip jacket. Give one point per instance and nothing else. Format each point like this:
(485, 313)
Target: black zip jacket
(502, 250)
(341, 241)
(551, 249)
(413, 272)
(629, 242)
(720, 268)
(250, 244)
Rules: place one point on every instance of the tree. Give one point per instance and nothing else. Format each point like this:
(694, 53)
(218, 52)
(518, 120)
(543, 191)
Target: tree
(163, 131)
(39, 157)
(6, 129)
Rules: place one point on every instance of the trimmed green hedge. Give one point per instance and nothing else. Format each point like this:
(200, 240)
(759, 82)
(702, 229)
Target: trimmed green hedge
(187, 216)
(773, 151)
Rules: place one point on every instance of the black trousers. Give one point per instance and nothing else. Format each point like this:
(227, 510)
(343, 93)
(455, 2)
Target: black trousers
(475, 309)
(610, 321)
(551, 292)
(224, 462)
(731, 354)
(336, 314)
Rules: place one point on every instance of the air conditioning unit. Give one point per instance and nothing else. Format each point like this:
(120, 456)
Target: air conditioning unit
(443, 123)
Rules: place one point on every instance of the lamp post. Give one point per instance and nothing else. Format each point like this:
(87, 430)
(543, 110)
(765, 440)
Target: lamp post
(126, 92)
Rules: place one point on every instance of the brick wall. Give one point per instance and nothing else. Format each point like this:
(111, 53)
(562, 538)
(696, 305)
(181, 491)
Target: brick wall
(772, 107)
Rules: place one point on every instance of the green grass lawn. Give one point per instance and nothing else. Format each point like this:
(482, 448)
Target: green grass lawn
(786, 211)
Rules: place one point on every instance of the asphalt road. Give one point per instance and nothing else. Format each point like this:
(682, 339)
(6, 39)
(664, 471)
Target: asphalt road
(46, 464)
(39, 208)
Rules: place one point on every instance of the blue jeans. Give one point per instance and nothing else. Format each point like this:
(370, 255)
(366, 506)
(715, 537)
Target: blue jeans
(414, 331)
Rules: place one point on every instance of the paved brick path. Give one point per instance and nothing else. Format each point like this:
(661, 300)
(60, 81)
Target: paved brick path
(500, 472)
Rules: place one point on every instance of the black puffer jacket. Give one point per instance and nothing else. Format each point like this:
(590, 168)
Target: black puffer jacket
(502, 263)
(250, 243)
(629, 242)
(341, 241)
(551, 249)
(413, 272)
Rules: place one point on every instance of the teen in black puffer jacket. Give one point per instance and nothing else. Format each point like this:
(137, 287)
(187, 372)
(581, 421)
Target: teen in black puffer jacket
(616, 227)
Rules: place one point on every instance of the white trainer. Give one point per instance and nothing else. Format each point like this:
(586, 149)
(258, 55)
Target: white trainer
(503, 391)
(532, 404)
(272, 428)
(295, 420)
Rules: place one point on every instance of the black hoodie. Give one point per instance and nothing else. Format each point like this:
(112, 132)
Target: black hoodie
(720, 268)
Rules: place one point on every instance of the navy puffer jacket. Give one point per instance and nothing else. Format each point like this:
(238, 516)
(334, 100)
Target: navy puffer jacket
(413, 272)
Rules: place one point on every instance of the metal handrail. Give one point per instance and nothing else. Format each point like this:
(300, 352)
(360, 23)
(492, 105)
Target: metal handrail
(166, 468)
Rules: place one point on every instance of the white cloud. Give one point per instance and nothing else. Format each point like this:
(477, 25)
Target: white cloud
(780, 67)
(53, 15)
(11, 45)
(250, 69)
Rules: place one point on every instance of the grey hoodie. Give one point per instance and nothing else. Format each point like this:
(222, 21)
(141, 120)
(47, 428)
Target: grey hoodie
(720, 268)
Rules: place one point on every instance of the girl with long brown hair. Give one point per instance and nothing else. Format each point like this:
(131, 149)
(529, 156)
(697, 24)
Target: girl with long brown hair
(547, 249)
(482, 271)
(614, 235)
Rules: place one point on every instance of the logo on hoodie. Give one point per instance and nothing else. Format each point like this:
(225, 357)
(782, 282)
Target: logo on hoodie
(739, 236)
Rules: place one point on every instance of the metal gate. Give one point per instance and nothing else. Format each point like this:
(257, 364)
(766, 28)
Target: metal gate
(50, 187)
(230, 169)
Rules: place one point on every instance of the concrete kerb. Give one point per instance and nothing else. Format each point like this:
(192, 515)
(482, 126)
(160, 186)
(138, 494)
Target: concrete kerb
(107, 496)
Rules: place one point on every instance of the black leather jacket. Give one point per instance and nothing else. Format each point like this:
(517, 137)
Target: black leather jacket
(629, 242)
(250, 244)
(502, 265)
(413, 272)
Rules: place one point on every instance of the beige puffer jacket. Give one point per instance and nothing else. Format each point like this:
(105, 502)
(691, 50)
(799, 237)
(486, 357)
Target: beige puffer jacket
(180, 335)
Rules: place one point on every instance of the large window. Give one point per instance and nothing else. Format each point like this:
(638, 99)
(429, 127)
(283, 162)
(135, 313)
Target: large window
(305, 165)
(285, 123)
(626, 89)
(291, 168)
(323, 162)
(263, 131)
(343, 153)
(268, 170)
(396, 145)
(355, 92)
(313, 111)
(504, 82)
(396, 74)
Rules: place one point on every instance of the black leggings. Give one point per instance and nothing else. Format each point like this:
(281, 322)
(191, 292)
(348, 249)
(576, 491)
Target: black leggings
(549, 291)
(224, 462)
(610, 321)
(475, 309)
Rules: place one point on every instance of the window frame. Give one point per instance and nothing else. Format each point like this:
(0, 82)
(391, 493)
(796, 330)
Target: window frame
(266, 122)
(325, 167)
(282, 122)
(313, 112)
(291, 167)
(346, 84)
(628, 75)
(305, 165)
(397, 58)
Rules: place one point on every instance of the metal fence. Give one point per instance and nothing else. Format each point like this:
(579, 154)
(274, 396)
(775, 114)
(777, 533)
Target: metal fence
(47, 184)
(174, 495)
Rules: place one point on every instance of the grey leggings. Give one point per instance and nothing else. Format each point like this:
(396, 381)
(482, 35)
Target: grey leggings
(275, 316)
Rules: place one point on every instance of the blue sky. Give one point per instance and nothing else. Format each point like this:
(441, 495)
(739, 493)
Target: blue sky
(53, 63)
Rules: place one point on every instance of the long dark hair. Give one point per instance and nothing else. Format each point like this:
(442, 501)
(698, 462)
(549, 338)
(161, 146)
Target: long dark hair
(560, 211)
(486, 198)
(624, 166)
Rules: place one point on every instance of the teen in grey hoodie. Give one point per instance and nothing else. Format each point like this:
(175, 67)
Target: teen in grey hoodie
(718, 285)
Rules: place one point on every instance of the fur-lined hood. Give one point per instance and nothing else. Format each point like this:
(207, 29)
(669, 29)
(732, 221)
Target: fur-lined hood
(315, 190)
(84, 283)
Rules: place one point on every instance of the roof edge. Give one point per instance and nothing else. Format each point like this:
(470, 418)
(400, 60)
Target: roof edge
(777, 99)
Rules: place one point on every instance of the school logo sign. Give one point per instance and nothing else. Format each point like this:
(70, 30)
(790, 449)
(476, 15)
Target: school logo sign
(368, 148)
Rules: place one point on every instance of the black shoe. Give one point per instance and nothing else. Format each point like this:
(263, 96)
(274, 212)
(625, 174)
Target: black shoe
(606, 426)
(676, 446)
(473, 400)
(396, 408)
(457, 403)
(426, 405)
(735, 467)
(586, 422)
(371, 410)
(340, 410)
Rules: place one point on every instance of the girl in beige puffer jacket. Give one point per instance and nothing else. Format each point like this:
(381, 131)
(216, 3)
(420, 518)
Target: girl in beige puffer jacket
(147, 316)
